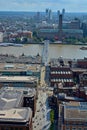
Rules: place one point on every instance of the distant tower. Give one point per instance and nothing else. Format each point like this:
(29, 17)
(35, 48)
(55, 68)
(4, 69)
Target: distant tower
(58, 13)
(45, 52)
(60, 27)
(50, 15)
(47, 14)
(63, 12)
(38, 16)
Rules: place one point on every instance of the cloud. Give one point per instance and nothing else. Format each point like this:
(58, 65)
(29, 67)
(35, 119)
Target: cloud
(41, 5)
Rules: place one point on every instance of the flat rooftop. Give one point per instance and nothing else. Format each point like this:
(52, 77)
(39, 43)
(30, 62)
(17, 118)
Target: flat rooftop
(16, 115)
(19, 67)
(18, 79)
(78, 69)
(12, 97)
(75, 115)
(24, 90)
(75, 111)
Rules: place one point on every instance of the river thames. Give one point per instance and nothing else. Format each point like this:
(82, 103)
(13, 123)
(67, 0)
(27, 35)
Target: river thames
(55, 51)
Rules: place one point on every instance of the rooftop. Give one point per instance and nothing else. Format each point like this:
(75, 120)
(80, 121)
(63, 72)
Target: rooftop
(75, 111)
(12, 97)
(64, 30)
(18, 79)
(19, 67)
(16, 114)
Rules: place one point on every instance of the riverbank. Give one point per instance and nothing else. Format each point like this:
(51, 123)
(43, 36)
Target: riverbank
(40, 43)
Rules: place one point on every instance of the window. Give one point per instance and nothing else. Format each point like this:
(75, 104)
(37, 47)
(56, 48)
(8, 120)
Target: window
(74, 129)
(67, 128)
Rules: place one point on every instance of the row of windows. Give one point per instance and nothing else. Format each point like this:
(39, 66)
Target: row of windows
(11, 128)
(68, 128)
(61, 80)
(60, 72)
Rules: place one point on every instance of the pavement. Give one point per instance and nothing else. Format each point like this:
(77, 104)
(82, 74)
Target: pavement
(41, 121)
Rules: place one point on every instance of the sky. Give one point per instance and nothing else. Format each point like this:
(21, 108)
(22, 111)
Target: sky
(41, 5)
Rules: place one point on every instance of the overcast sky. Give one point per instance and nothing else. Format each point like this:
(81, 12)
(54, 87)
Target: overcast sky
(41, 5)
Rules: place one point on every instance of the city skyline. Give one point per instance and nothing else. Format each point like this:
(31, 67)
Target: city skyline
(32, 5)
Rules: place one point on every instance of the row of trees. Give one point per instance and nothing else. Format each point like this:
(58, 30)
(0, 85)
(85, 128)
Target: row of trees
(73, 40)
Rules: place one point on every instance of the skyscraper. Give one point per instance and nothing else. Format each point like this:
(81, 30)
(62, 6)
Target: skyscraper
(50, 15)
(47, 14)
(63, 12)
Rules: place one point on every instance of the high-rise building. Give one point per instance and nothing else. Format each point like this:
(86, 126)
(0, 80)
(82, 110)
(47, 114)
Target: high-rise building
(63, 12)
(47, 14)
(50, 15)
(38, 16)
(58, 13)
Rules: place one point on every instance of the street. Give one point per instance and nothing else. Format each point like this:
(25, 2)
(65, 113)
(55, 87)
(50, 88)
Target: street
(41, 121)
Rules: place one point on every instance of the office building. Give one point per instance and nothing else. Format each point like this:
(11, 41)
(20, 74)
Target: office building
(18, 81)
(16, 119)
(73, 116)
(48, 15)
(54, 33)
(82, 63)
(17, 69)
(13, 113)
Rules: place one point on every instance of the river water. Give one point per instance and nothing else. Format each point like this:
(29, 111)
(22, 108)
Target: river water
(55, 51)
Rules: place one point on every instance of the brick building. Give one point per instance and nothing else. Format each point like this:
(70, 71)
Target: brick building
(82, 63)
(82, 93)
(59, 72)
(83, 79)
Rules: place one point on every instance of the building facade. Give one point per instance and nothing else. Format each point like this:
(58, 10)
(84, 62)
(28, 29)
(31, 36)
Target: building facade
(61, 74)
(13, 115)
(73, 116)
